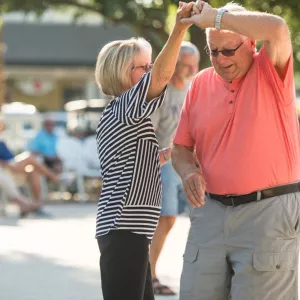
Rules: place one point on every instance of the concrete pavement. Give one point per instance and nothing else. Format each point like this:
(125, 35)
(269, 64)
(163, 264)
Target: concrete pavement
(57, 259)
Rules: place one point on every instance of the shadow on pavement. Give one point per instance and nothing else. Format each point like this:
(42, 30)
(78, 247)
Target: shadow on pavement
(31, 277)
(56, 211)
(9, 221)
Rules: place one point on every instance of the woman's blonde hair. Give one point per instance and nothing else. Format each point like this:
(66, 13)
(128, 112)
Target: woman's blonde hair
(114, 64)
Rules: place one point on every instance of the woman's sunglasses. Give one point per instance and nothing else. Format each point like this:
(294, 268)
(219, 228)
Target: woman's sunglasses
(146, 67)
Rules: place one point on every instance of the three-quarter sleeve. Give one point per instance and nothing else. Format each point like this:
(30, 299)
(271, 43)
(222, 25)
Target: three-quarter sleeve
(132, 107)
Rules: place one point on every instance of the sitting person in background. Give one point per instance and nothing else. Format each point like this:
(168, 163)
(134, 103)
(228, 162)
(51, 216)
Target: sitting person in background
(10, 189)
(44, 144)
(27, 164)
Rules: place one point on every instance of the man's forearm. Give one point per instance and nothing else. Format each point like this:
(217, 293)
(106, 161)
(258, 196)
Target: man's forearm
(255, 25)
(183, 160)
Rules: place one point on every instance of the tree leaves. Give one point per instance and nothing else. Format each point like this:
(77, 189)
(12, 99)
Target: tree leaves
(149, 17)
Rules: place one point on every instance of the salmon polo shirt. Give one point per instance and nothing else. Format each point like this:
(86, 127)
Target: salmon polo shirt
(246, 132)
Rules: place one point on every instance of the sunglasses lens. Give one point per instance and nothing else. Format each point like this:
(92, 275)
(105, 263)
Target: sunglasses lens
(214, 53)
(228, 52)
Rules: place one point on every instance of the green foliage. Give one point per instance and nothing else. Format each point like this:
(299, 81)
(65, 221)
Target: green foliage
(22, 5)
(153, 18)
(146, 17)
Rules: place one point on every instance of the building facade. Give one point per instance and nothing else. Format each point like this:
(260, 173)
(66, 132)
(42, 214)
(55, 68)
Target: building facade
(50, 64)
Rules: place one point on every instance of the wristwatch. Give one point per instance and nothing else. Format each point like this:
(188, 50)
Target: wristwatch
(219, 16)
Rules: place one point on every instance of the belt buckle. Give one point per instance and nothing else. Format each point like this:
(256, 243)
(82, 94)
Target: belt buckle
(258, 196)
(230, 197)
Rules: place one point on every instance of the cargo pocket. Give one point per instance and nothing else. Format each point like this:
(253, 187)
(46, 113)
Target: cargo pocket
(205, 272)
(275, 276)
(270, 262)
(290, 209)
(189, 268)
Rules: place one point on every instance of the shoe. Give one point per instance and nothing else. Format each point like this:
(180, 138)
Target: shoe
(42, 214)
(160, 289)
(24, 214)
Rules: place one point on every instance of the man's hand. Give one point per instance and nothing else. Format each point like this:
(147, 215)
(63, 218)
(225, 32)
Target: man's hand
(194, 187)
(203, 15)
(184, 11)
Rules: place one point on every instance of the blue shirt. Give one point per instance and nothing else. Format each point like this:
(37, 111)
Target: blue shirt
(44, 143)
(5, 153)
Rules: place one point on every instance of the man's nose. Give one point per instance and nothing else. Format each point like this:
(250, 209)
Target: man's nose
(221, 58)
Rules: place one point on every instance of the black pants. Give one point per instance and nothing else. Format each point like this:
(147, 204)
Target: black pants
(124, 266)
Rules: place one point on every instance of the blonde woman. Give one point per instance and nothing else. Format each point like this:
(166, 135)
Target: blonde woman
(129, 204)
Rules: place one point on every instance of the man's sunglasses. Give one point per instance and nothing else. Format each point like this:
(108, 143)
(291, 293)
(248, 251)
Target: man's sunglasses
(225, 52)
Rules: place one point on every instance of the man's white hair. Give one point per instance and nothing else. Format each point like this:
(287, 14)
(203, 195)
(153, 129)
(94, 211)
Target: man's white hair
(232, 6)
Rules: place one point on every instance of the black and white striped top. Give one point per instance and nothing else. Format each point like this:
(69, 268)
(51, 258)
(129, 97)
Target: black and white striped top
(129, 161)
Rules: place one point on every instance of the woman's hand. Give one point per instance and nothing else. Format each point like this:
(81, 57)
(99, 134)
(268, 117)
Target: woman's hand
(203, 15)
(164, 155)
(185, 11)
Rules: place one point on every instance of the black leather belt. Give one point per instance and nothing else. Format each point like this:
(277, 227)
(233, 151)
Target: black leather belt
(235, 200)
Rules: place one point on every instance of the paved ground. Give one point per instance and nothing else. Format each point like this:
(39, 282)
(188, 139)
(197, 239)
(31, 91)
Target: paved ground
(58, 259)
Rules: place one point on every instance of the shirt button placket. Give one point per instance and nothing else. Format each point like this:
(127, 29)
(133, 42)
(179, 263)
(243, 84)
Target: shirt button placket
(231, 100)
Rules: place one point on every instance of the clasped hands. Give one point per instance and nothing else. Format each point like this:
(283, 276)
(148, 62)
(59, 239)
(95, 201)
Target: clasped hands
(198, 13)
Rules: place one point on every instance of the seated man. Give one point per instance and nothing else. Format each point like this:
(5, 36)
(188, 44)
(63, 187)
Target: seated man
(9, 187)
(27, 164)
(44, 144)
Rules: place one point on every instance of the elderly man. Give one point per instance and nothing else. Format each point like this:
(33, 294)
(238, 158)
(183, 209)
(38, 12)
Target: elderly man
(165, 121)
(240, 117)
(44, 144)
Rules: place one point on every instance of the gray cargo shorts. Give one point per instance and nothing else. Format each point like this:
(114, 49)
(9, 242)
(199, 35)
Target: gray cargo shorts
(247, 252)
